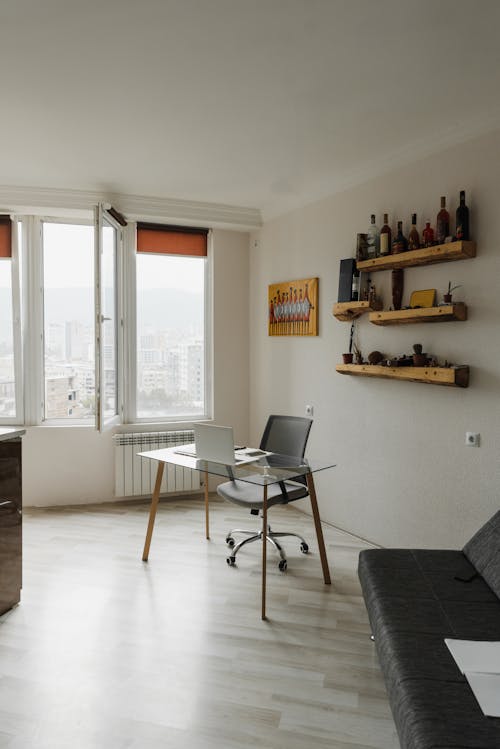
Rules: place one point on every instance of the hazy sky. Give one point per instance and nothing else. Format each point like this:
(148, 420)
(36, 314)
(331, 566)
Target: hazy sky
(69, 263)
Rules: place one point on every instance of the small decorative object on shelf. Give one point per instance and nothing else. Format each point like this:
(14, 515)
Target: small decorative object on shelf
(419, 359)
(398, 280)
(346, 275)
(361, 247)
(375, 357)
(442, 223)
(413, 236)
(428, 235)
(448, 296)
(400, 243)
(462, 224)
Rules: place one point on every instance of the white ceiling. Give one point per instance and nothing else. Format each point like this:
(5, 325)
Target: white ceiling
(266, 104)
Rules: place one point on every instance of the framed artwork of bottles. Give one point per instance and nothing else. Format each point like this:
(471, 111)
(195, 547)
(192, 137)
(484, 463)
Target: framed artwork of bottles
(293, 307)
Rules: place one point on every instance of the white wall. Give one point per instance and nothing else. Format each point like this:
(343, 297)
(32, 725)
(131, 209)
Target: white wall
(75, 465)
(403, 475)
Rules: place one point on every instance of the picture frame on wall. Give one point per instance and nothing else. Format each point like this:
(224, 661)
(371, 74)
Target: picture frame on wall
(293, 308)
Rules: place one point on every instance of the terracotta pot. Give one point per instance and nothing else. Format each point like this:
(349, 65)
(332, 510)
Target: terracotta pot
(347, 358)
(447, 298)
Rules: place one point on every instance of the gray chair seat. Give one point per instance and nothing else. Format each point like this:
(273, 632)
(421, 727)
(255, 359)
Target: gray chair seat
(283, 436)
(251, 496)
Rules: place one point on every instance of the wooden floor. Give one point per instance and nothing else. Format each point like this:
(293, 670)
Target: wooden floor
(108, 652)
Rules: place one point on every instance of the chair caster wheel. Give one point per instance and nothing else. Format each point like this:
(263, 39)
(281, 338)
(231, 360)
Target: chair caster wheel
(231, 561)
(283, 565)
(304, 548)
(230, 541)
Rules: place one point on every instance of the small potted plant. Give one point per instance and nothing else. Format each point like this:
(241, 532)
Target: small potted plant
(347, 358)
(448, 296)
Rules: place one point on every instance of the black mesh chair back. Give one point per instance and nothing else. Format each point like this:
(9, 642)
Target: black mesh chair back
(287, 435)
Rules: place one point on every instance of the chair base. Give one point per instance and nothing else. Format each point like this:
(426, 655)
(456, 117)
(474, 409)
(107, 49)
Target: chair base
(271, 536)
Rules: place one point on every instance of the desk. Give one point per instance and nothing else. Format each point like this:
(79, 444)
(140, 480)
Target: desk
(269, 470)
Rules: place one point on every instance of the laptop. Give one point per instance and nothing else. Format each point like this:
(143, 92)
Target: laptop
(216, 444)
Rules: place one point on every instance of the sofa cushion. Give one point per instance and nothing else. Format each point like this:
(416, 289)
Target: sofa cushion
(483, 551)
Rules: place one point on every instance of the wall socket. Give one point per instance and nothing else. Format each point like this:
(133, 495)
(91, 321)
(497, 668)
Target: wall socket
(309, 411)
(472, 439)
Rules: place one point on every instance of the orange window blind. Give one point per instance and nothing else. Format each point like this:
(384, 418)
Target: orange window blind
(5, 236)
(172, 240)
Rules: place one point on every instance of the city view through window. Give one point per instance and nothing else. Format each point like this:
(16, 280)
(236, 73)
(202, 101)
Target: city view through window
(170, 371)
(7, 382)
(170, 336)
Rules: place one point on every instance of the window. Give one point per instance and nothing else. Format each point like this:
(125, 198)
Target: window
(10, 354)
(171, 272)
(108, 335)
(68, 315)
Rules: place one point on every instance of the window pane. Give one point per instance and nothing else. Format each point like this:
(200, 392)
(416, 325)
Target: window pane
(68, 265)
(108, 312)
(7, 378)
(170, 336)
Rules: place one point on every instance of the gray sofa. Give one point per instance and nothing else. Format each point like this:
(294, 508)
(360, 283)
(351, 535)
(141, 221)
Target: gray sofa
(416, 598)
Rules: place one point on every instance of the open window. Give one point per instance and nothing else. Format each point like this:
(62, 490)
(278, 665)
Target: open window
(108, 327)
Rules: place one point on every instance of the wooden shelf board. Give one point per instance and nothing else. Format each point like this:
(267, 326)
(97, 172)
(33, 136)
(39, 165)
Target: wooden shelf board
(451, 376)
(440, 253)
(346, 311)
(444, 313)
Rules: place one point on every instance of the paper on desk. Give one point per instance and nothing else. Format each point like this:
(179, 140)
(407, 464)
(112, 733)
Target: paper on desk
(486, 688)
(474, 655)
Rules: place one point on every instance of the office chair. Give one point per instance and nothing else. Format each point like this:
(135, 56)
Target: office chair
(285, 435)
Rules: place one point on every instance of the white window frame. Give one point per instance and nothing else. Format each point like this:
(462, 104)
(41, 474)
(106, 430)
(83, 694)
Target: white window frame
(130, 287)
(15, 303)
(104, 423)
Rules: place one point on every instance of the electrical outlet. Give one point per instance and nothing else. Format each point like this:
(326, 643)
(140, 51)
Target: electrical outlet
(309, 410)
(472, 439)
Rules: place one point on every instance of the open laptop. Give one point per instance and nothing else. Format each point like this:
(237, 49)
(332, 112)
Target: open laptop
(216, 443)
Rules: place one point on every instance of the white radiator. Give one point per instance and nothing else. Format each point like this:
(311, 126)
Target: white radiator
(135, 476)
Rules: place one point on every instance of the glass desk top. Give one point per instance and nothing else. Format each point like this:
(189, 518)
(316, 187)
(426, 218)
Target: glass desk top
(270, 469)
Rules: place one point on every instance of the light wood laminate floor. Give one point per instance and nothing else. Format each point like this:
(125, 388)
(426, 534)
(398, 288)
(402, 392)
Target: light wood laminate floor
(108, 652)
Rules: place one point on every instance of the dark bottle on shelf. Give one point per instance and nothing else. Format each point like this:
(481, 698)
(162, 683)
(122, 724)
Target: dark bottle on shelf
(428, 235)
(400, 243)
(462, 231)
(385, 237)
(442, 223)
(413, 236)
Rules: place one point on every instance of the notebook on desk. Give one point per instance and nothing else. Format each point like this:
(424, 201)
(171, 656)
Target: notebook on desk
(216, 444)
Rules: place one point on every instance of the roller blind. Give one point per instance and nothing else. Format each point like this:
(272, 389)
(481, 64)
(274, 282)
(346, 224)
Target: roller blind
(5, 236)
(172, 240)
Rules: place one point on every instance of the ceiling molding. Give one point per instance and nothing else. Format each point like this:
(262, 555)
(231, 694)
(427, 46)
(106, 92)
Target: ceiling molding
(213, 215)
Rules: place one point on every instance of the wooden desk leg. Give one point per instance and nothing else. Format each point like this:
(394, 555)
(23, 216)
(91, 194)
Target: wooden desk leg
(319, 531)
(264, 551)
(207, 527)
(152, 511)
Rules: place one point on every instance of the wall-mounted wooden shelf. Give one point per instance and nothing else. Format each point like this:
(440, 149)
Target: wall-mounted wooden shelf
(444, 313)
(451, 376)
(347, 311)
(441, 253)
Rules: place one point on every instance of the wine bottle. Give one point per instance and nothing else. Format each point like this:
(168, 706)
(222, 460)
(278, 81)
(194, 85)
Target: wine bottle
(413, 236)
(385, 237)
(355, 286)
(428, 235)
(400, 243)
(462, 231)
(373, 238)
(442, 223)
